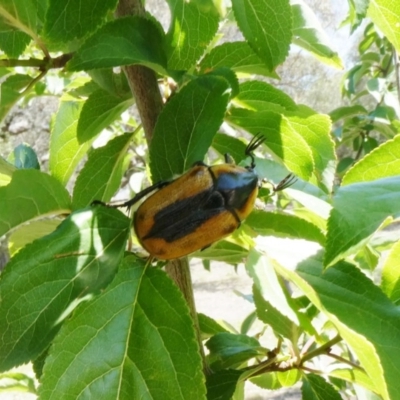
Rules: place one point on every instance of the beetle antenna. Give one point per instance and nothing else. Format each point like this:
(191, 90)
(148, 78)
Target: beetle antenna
(253, 144)
(285, 183)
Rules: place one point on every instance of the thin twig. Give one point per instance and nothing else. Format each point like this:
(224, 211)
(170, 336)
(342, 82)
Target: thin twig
(324, 349)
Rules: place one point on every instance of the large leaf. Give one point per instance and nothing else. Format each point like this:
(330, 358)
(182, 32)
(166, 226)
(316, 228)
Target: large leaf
(358, 210)
(267, 27)
(136, 340)
(382, 162)
(285, 142)
(42, 280)
(308, 34)
(385, 14)
(363, 315)
(186, 126)
(193, 26)
(102, 173)
(237, 56)
(100, 110)
(30, 194)
(125, 41)
(71, 20)
(65, 150)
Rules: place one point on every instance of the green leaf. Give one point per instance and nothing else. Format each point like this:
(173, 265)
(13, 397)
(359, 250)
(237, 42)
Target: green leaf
(284, 225)
(6, 172)
(12, 41)
(221, 385)
(65, 150)
(261, 96)
(225, 144)
(68, 21)
(12, 89)
(285, 142)
(391, 274)
(268, 381)
(193, 26)
(382, 162)
(267, 27)
(208, 326)
(26, 234)
(101, 176)
(24, 157)
(223, 251)
(149, 349)
(25, 16)
(238, 56)
(229, 350)
(317, 388)
(358, 210)
(354, 375)
(271, 316)
(30, 194)
(308, 34)
(347, 112)
(100, 110)
(356, 307)
(45, 280)
(186, 126)
(385, 14)
(125, 41)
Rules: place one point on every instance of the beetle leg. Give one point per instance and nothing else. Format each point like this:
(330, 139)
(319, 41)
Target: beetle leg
(229, 159)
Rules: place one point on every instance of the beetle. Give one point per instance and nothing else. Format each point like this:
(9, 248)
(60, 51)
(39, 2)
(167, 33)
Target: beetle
(200, 207)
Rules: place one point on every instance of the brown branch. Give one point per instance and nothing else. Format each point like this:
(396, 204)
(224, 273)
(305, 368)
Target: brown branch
(144, 86)
(44, 64)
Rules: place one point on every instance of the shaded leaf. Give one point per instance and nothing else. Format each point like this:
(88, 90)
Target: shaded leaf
(223, 251)
(225, 144)
(71, 20)
(143, 322)
(317, 388)
(101, 176)
(12, 41)
(125, 41)
(267, 27)
(30, 194)
(24, 157)
(221, 385)
(186, 126)
(208, 326)
(100, 110)
(44, 281)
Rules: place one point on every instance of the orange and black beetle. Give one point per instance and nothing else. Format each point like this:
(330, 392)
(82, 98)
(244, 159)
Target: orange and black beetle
(202, 206)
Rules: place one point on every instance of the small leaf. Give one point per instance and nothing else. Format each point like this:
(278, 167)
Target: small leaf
(65, 150)
(267, 27)
(308, 34)
(385, 14)
(268, 314)
(68, 21)
(50, 275)
(135, 338)
(382, 162)
(30, 194)
(238, 56)
(347, 112)
(100, 110)
(223, 251)
(225, 144)
(208, 326)
(358, 210)
(186, 126)
(193, 26)
(12, 41)
(101, 176)
(125, 41)
(317, 388)
(6, 172)
(391, 274)
(229, 350)
(24, 157)
(221, 385)
(285, 225)
(12, 89)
